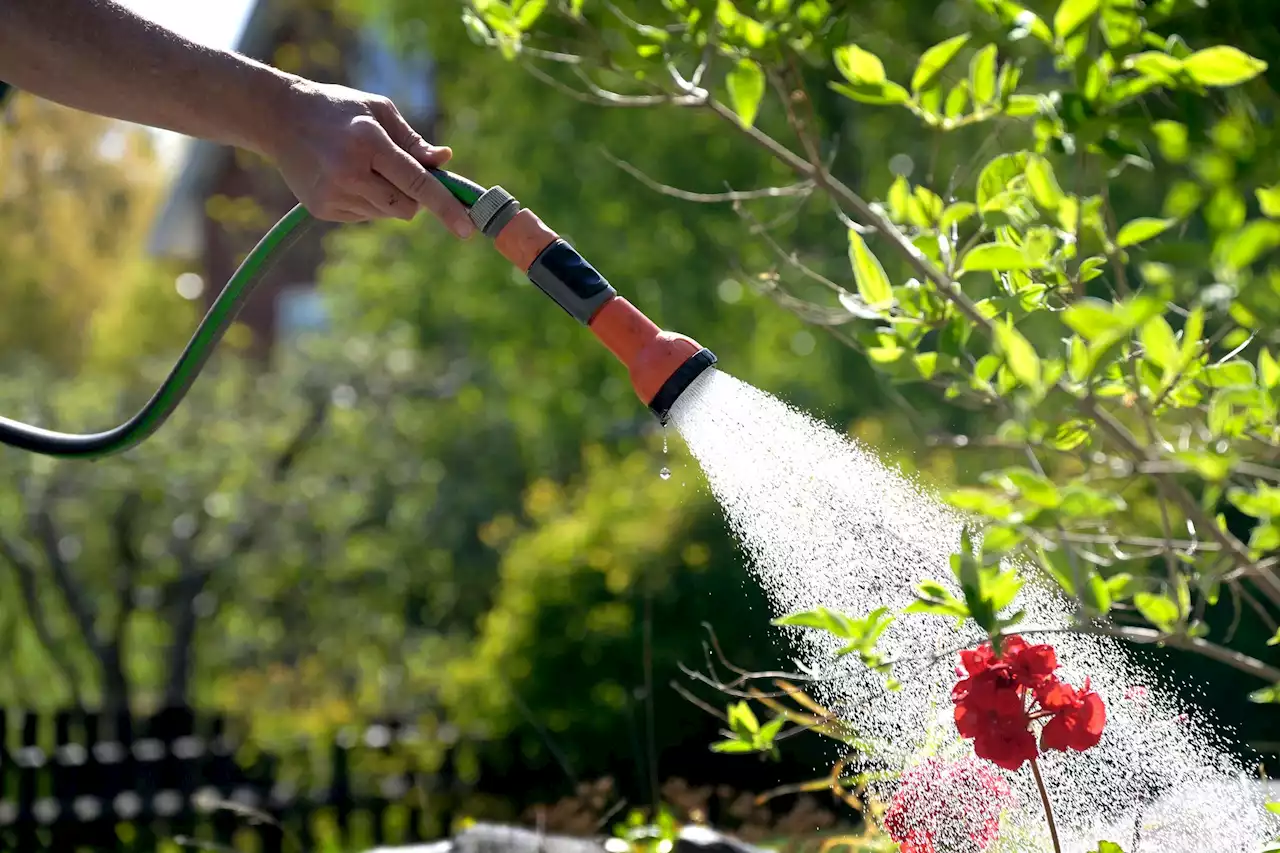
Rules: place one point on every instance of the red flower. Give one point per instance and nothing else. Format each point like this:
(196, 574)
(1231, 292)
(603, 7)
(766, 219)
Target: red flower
(996, 704)
(1033, 666)
(1079, 717)
(1006, 746)
(941, 807)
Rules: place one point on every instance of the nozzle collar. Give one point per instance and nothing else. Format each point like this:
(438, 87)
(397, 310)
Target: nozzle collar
(679, 382)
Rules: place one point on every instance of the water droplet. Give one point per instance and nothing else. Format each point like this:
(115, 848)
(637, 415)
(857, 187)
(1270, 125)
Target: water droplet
(664, 439)
(665, 473)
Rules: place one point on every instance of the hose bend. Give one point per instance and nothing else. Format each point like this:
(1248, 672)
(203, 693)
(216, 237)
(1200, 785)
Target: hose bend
(294, 225)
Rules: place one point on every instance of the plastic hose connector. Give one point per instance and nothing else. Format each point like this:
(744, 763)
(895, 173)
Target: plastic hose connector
(493, 210)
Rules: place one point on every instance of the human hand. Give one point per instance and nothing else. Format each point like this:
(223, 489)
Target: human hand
(349, 156)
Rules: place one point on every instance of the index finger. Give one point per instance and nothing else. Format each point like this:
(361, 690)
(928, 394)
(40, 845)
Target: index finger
(409, 176)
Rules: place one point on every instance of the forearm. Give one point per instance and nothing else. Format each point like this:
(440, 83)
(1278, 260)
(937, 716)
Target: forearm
(97, 56)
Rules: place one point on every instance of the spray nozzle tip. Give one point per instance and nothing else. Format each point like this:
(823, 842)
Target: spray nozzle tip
(679, 382)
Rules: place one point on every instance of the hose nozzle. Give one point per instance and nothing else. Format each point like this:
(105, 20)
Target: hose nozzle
(661, 364)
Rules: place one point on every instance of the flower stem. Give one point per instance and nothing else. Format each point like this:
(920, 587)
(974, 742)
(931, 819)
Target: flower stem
(1048, 809)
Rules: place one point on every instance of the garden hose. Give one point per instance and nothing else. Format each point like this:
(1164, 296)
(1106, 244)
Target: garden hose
(661, 364)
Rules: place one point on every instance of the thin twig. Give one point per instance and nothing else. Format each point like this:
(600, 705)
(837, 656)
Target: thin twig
(804, 188)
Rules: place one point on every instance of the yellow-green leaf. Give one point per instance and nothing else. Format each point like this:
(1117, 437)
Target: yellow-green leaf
(858, 65)
(1142, 229)
(935, 60)
(1071, 15)
(1158, 341)
(873, 283)
(1159, 610)
(882, 93)
(997, 257)
(1019, 354)
(1269, 201)
(1268, 369)
(1043, 183)
(746, 89)
(1222, 66)
(982, 75)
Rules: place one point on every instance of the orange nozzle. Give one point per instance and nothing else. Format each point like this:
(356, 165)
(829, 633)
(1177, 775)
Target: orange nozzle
(661, 364)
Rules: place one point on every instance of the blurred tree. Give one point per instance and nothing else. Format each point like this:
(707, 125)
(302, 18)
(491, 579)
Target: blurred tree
(77, 193)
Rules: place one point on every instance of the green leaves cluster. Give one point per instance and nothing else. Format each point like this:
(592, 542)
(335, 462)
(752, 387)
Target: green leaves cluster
(747, 734)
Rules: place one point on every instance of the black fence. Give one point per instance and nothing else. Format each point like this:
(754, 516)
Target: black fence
(77, 780)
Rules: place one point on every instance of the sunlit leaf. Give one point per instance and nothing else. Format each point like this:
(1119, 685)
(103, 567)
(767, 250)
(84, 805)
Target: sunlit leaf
(1222, 66)
(1160, 610)
(982, 75)
(1140, 230)
(859, 66)
(1269, 200)
(1019, 354)
(997, 257)
(935, 60)
(873, 283)
(1072, 15)
(1159, 342)
(746, 89)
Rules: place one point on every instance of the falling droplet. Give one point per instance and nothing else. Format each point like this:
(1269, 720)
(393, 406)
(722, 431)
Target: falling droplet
(664, 439)
(665, 473)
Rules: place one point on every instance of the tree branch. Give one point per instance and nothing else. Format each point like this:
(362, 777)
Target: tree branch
(18, 555)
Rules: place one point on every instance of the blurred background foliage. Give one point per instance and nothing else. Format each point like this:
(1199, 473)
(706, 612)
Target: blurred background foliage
(450, 507)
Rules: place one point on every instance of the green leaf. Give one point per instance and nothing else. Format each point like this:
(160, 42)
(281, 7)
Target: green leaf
(886, 93)
(1268, 369)
(1269, 201)
(1019, 354)
(769, 731)
(1222, 66)
(1274, 808)
(822, 619)
(1213, 467)
(1275, 641)
(1158, 609)
(528, 12)
(746, 89)
(1120, 586)
(858, 65)
(982, 75)
(1159, 343)
(1267, 695)
(1108, 847)
(1043, 183)
(743, 720)
(935, 60)
(733, 746)
(997, 257)
(1250, 243)
(1034, 488)
(933, 597)
(873, 283)
(1142, 229)
(956, 213)
(1160, 67)
(1071, 15)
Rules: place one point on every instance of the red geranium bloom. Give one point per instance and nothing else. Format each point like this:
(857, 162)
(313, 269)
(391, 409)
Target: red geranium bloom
(1006, 746)
(997, 702)
(1077, 722)
(941, 807)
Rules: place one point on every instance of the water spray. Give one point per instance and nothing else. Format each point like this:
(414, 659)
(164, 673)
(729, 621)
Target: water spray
(661, 364)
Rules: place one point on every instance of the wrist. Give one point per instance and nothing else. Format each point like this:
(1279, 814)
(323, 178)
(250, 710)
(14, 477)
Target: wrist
(272, 111)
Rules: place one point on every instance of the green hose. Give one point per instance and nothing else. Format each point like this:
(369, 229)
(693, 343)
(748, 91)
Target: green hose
(219, 318)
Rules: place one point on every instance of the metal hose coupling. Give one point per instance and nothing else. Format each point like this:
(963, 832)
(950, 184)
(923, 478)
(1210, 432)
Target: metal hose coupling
(661, 364)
